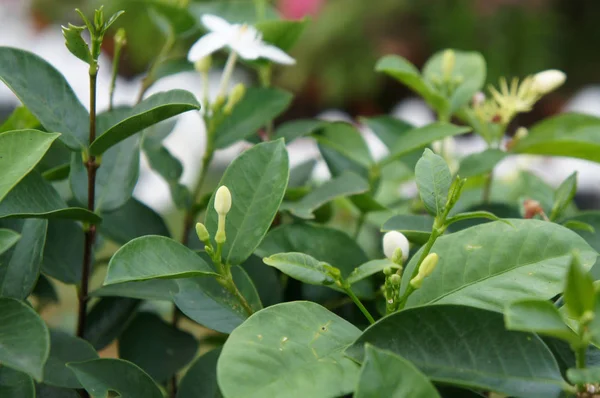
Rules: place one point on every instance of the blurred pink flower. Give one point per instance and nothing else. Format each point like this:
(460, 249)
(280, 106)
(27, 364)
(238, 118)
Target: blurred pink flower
(297, 9)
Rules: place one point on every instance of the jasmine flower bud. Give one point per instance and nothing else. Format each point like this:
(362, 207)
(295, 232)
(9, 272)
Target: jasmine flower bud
(222, 200)
(548, 80)
(395, 240)
(203, 64)
(202, 232)
(427, 267)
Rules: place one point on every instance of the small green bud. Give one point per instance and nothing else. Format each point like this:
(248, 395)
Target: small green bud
(99, 18)
(429, 264)
(448, 62)
(587, 317)
(395, 279)
(120, 38)
(236, 95)
(202, 232)
(218, 104)
(398, 257)
(521, 133)
(203, 64)
(387, 271)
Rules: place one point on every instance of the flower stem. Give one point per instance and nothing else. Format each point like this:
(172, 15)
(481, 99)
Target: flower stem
(227, 72)
(359, 304)
(115, 72)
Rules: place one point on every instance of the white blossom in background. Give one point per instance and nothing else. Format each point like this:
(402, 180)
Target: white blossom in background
(244, 40)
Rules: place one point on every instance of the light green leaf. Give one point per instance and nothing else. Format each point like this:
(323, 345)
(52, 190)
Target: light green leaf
(416, 228)
(583, 376)
(21, 265)
(385, 374)
(64, 349)
(433, 180)
(151, 257)
(14, 384)
(563, 196)
(301, 267)
(179, 18)
(480, 162)
(34, 197)
(24, 338)
(107, 319)
(204, 368)
(152, 110)
(20, 151)
(538, 316)
(478, 265)
(257, 180)
(63, 251)
(282, 33)
(46, 93)
(298, 128)
(8, 238)
(579, 289)
(474, 214)
(370, 268)
(449, 345)
(100, 376)
(160, 353)
(347, 141)
(578, 226)
(75, 43)
(299, 353)
(20, 119)
(246, 118)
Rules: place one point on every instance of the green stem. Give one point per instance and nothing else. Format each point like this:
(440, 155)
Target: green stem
(115, 72)
(360, 305)
(227, 74)
(149, 80)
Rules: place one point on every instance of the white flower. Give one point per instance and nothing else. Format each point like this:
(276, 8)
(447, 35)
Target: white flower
(395, 240)
(244, 40)
(548, 80)
(223, 200)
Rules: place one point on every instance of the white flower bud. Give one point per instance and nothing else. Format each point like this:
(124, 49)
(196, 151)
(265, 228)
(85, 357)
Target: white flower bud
(222, 200)
(548, 80)
(395, 240)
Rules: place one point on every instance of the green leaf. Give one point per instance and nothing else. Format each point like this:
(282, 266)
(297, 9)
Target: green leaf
(479, 267)
(152, 110)
(385, 374)
(46, 391)
(480, 162)
(282, 33)
(178, 18)
(583, 376)
(416, 228)
(160, 353)
(151, 257)
(204, 368)
(34, 197)
(246, 118)
(107, 319)
(100, 376)
(387, 128)
(15, 384)
(257, 180)
(151, 289)
(433, 180)
(300, 353)
(579, 289)
(20, 151)
(564, 195)
(8, 238)
(578, 226)
(422, 136)
(295, 129)
(132, 220)
(266, 280)
(301, 174)
(115, 178)
(21, 265)
(239, 12)
(538, 316)
(347, 141)
(346, 184)
(205, 301)
(63, 251)
(75, 43)
(474, 214)
(24, 338)
(449, 345)
(370, 268)
(64, 349)
(46, 93)
(301, 267)
(469, 69)
(20, 119)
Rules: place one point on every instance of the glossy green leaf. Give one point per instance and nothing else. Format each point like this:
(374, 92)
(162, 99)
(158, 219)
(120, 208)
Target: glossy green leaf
(8, 238)
(63, 251)
(100, 376)
(107, 319)
(14, 384)
(24, 338)
(449, 345)
(46, 93)
(34, 197)
(75, 43)
(152, 257)
(370, 268)
(20, 151)
(132, 220)
(480, 162)
(564, 195)
(387, 128)
(538, 316)
(257, 180)
(152, 110)
(301, 267)
(433, 180)
(46, 391)
(478, 265)
(204, 368)
(301, 352)
(20, 119)
(294, 129)
(582, 376)
(65, 348)
(421, 136)
(347, 184)
(205, 301)
(21, 264)
(246, 118)
(160, 353)
(416, 228)
(385, 374)
(115, 178)
(579, 289)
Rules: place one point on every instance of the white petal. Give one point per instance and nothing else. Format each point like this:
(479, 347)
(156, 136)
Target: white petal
(206, 45)
(395, 240)
(245, 50)
(216, 24)
(276, 54)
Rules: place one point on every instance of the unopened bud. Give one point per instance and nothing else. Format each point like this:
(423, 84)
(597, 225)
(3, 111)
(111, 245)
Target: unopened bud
(395, 240)
(395, 279)
(387, 271)
(426, 268)
(398, 257)
(521, 133)
(531, 208)
(223, 200)
(203, 64)
(548, 80)
(236, 95)
(587, 317)
(120, 38)
(448, 62)
(202, 232)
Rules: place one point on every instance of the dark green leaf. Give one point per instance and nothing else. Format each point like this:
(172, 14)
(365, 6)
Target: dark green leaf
(204, 368)
(151, 289)
(46, 391)
(75, 43)
(480, 163)
(44, 291)
(433, 180)
(14, 384)
(301, 267)
(265, 279)
(107, 319)
(8, 238)
(57, 173)
(63, 251)
(579, 289)
(564, 195)
(64, 349)
(298, 128)
(416, 228)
